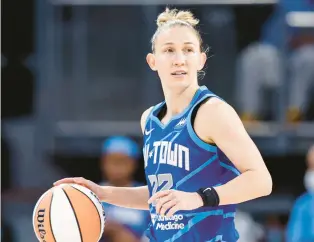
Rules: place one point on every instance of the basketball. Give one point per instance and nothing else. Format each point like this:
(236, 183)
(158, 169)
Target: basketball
(68, 212)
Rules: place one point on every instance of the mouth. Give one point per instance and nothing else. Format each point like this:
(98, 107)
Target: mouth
(179, 73)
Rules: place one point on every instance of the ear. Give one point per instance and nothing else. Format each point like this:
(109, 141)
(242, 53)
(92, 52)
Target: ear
(150, 58)
(203, 59)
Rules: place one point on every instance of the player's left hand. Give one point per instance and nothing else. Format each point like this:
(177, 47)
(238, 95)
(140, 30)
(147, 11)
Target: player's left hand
(173, 201)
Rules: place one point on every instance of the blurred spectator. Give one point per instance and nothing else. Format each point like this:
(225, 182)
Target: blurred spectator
(260, 64)
(118, 164)
(274, 229)
(248, 229)
(301, 222)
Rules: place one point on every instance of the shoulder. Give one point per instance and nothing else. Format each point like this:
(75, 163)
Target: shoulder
(216, 117)
(144, 117)
(215, 110)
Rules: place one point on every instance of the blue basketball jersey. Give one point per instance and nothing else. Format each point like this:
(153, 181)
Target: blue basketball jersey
(176, 158)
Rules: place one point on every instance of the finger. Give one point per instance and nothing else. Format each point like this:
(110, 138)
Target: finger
(80, 180)
(162, 201)
(83, 182)
(76, 180)
(158, 195)
(167, 206)
(172, 211)
(64, 180)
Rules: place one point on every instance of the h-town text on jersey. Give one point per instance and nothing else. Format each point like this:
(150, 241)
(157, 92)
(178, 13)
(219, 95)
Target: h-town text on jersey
(165, 152)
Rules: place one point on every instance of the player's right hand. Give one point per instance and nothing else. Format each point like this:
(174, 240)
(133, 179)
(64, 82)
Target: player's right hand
(83, 182)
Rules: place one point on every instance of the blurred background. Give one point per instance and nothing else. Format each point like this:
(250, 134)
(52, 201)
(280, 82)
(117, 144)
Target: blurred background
(74, 74)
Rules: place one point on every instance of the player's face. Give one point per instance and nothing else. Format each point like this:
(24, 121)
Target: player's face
(118, 168)
(177, 57)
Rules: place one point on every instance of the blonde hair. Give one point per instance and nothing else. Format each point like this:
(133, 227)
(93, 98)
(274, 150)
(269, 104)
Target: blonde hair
(174, 17)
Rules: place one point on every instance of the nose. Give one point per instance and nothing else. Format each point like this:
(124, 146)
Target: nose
(179, 59)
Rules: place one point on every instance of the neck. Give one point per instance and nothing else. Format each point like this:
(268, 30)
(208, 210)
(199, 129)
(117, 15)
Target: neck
(178, 100)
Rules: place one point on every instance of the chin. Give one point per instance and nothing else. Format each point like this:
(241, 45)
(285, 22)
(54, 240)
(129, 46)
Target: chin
(184, 81)
(178, 83)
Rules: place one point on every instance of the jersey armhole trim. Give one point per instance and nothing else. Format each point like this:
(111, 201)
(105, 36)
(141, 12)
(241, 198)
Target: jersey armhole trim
(230, 168)
(199, 142)
(149, 116)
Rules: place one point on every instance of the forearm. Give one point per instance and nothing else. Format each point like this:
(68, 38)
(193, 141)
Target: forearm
(249, 185)
(129, 197)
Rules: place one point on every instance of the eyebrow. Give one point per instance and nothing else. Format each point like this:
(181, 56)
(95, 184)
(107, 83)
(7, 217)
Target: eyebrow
(186, 43)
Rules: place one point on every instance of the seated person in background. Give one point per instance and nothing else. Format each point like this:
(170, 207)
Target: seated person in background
(118, 164)
(248, 229)
(301, 222)
(260, 65)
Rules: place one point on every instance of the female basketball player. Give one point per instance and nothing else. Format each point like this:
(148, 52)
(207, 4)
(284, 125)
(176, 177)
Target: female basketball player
(199, 160)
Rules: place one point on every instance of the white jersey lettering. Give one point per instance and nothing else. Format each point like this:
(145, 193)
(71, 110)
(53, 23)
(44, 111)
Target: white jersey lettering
(166, 152)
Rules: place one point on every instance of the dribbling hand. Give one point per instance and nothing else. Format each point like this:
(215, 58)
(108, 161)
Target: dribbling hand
(83, 182)
(173, 201)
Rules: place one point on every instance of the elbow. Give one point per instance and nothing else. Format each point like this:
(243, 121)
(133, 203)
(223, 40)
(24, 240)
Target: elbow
(263, 183)
(266, 184)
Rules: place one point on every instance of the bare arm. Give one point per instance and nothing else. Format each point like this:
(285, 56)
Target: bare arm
(135, 197)
(218, 122)
(129, 197)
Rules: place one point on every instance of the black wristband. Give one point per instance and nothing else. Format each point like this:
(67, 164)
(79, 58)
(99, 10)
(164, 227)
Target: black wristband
(209, 196)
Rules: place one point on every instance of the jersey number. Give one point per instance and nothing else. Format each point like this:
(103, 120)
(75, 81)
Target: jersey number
(164, 181)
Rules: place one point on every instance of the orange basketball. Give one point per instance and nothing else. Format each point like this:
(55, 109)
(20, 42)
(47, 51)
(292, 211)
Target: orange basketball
(68, 212)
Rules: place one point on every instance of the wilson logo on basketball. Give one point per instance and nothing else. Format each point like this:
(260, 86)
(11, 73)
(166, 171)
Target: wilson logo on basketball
(68, 213)
(103, 211)
(41, 227)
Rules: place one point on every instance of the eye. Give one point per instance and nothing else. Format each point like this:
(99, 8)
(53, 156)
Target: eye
(169, 50)
(189, 50)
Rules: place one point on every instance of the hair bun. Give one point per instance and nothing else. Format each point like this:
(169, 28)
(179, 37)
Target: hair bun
(174, 14)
